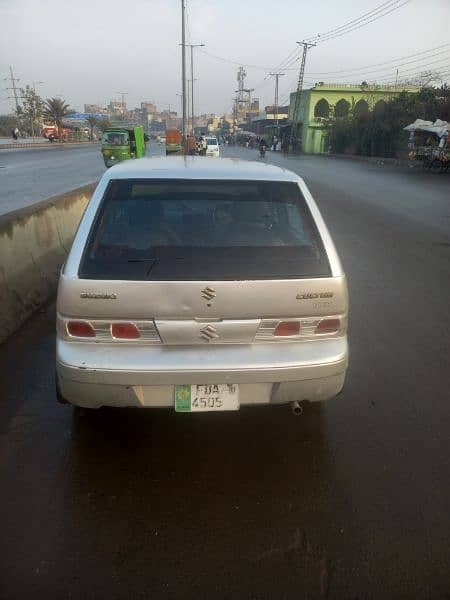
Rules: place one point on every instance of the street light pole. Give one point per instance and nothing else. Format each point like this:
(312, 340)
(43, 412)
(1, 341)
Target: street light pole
(192, 46)
(123, 94)
(277, 76)
(187, 103)
(183, 70)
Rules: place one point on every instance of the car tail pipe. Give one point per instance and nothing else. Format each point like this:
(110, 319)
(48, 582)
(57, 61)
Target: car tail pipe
(297, 408)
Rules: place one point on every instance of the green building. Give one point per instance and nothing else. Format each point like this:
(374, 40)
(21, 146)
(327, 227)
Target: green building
(320, 105)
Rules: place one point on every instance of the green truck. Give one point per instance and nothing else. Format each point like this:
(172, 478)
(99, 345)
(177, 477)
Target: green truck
(122, 143)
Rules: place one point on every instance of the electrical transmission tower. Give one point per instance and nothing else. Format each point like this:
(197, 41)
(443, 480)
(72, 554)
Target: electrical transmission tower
(301, 75)
(13, 80)
(241, 101)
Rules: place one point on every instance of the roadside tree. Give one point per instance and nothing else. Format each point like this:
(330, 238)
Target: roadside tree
(32, 109)
(93, 122)
(56, 109)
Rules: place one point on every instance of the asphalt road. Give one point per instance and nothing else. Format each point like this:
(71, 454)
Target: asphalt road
(351, 500)
(29, 175)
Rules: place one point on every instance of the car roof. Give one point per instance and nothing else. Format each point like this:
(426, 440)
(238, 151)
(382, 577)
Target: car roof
(198, 167)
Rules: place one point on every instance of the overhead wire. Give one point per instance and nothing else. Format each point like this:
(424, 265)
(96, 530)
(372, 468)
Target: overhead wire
(235, 62)
(383, 6)
(358, 23)
(378, 73)
(395, 60)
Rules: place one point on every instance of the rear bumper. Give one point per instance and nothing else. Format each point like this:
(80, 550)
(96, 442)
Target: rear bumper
(94, 375)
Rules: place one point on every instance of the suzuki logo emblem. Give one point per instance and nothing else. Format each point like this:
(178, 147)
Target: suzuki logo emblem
(208, 333)
(208, 293)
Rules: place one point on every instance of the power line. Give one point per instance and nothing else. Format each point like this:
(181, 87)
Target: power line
(388, 73)
(383, 10)
(383, 71)
(395, 60)
(238, 63)
(394, 63)
(383, 6)
(410, 73)
(290, 58)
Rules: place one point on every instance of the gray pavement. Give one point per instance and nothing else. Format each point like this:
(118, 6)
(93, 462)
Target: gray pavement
(348, 501)
(29, 175)
(10, 140)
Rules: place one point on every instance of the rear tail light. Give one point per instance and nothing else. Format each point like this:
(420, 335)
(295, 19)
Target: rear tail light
(285, 328)
(328, 326)
(80, 329)
(99, 330)
(125, 331)
(304, 328)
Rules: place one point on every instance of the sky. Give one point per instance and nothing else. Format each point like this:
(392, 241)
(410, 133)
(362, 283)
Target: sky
(90, 50)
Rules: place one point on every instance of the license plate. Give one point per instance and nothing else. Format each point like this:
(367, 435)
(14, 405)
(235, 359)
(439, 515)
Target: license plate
(206, 397)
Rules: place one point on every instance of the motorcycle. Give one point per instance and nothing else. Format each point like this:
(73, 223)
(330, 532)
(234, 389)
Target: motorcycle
(262, 151)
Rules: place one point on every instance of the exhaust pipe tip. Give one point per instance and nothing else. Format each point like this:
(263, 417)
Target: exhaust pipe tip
(297, 409)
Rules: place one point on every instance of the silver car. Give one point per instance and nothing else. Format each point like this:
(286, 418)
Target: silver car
(201, 286)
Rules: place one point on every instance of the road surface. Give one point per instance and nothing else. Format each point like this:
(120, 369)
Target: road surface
(351, 500)
(29, 175)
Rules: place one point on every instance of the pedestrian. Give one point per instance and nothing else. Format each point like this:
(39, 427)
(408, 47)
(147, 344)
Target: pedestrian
(204, 145)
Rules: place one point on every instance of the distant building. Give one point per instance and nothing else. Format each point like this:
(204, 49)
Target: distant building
(319, 106)
(95, 109)
(117, 108)
(214, 123)
(171, 119)
(149, 107)
(281, 113)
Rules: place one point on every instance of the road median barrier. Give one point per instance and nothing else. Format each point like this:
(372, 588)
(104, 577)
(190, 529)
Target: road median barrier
(34, 242)
(24, 145)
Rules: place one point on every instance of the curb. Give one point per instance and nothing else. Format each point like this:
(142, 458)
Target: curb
(379, 160)
(45, 145)
(34, 242)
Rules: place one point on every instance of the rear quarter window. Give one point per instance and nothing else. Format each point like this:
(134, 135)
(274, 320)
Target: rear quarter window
(207, 230)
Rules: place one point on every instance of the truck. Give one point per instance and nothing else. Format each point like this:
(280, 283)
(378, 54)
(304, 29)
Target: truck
(174, 141)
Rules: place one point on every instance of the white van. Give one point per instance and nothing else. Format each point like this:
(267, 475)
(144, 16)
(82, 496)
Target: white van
(212, 148)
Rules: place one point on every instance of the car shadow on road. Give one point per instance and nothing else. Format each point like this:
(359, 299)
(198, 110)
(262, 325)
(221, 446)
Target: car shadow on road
(202, 491)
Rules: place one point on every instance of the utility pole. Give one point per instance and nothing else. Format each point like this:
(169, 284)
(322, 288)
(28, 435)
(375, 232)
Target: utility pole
(123, 94)
(192, 46)
(183, 70)
(249, 99)
(240, 91)
(235, 104)
(187, 102)
(35, 83)
(277, 76)
(301, 74)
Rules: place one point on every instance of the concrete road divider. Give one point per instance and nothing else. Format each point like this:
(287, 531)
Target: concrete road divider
(34, 242)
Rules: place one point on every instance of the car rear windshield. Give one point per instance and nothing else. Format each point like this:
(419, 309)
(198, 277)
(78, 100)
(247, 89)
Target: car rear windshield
(203, 230)
(211, 142)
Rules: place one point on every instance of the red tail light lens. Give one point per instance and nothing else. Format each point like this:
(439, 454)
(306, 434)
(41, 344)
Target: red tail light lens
(80, 329)
(328, 326)
(125, 331)
(287, 328)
